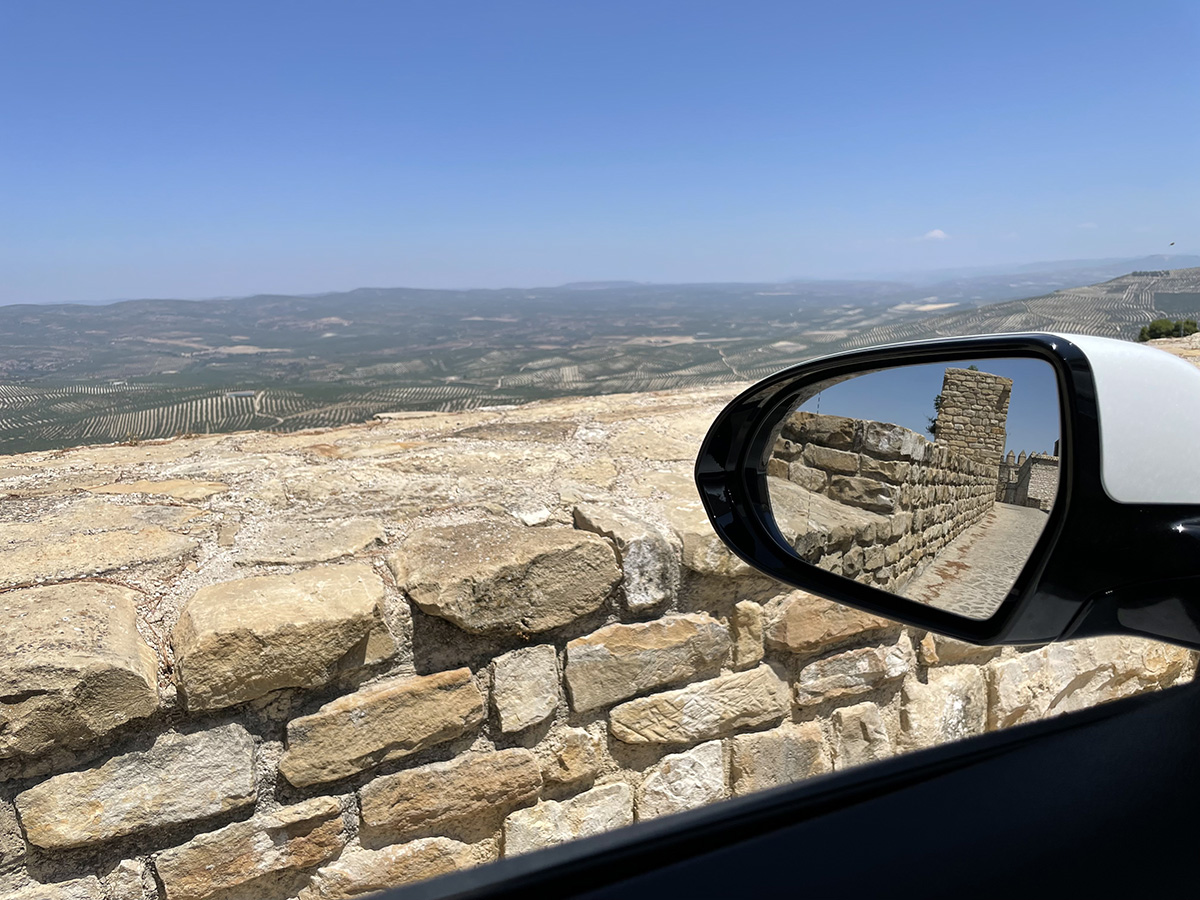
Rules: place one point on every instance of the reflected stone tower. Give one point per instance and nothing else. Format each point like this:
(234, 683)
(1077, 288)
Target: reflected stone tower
(973, 414)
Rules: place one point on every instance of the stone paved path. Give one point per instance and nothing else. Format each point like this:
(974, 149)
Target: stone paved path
(974, 573)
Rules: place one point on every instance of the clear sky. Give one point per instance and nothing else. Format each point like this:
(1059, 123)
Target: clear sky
(904, 396)
(193, 149)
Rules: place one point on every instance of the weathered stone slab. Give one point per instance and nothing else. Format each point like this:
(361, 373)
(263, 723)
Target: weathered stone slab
(643, 443)
(952, 705)
(179, 488)
(682, 781)
(384, 721)
(800, 622)
(181, 778)
(554, 822)
(747, 625)
(621, 661)
(859, 736)
(648, 559)
(262, 856)
(569, 756)
(302, 543)
(853, 672)
(864, 493)
(768, 759)
(72, 666)
(936, 649)
(497, 575)
(360, 872)
(80, 889)
(79, 554)
(704, 710)
(239, 640)
(525, 687)
(474, 787)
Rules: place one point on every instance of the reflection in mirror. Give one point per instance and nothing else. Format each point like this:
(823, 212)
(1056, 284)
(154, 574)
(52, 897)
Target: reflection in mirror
(933, 482)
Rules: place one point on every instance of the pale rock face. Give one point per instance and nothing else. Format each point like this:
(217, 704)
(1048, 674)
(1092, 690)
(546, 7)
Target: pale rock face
(262, 856)
(570, 756)
(178, 488)
(859, 736)
(683, 781)
(80, 889)
(854, 672)
(800, 622)
(951, 706)
(936, 649)
(553, 822)
(360, 872)
(181, 778)
(525, 687)
(647, 553)
(72, 665)
(768, 759)
(621, 661)
(305, 542)
(388, 720)
(242, 639)
(499, 576)
(471, 788)
(704, 710)
(747, 624)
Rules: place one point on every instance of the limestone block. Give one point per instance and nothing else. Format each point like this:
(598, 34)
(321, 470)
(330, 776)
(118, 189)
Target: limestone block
(747, 623)
(239, 640)
(701, 550)
(525, 686)
(649, 561)
(80, 889)
(682, 781)
(360, 872)
(498, 575)
(768, 759)
(893, 442)
(178, 488)
(181, 778)
(704, 710)
(387, 720)
(800, 622)
(829, 460)
(81, 554)
(952, 705)
(554, 822)
(262, 856)
(837, 432)
(131, 879)
(570, 755)
(859, 736)
(807, 477)
(854, 672)
(473, 787)
(305, 542)
(641, 442)
(864, 493)
(620, 661)
(72, 666)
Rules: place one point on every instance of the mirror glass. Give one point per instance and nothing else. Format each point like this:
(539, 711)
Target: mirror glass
(933, 482)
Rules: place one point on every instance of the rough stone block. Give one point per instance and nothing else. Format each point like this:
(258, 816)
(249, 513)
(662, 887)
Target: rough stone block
(181, 778)
(79, 889)
(853, 672)
(704, 710)
(384, 721)
(263, 856)
(569, 756)
(747, 624)
(621, 661)
(499, 576)
(360, 872)
(72, 666)
(682, 781)
(859, 736)
(829, 460)
(239, 640)
(863, 493)
(471, 788)
(952, 705)
(800, 622)
(768, 759)
(648, 558)
(554, 822)
(305, 542)
(525, 687)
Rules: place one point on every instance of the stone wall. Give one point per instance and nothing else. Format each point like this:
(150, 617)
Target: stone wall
(317, 665)
(973, 414)
(1028, 480)
(898, 499)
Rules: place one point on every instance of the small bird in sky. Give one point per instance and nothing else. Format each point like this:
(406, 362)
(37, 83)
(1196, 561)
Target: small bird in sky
(1172, 244)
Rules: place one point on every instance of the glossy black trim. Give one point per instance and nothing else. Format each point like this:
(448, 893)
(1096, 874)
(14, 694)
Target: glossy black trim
(1094, 555)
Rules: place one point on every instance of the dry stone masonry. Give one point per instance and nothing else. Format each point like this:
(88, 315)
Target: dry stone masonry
(313, 666)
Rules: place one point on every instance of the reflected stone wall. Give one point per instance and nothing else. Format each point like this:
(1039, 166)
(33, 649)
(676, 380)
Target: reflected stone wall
(974, 414)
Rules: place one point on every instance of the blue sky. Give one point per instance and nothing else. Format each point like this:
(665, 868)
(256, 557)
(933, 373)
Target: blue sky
(904, 396)
(224, 148)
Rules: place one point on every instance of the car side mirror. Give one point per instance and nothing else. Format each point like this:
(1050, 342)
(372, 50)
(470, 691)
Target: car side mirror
(1009, 489)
